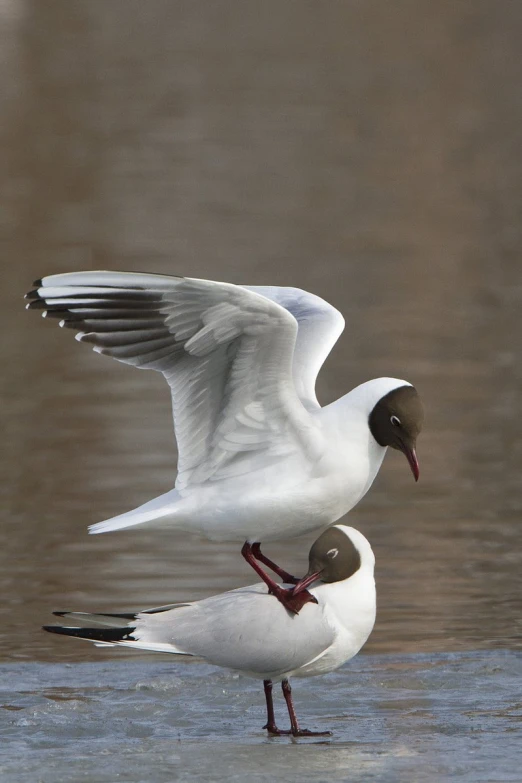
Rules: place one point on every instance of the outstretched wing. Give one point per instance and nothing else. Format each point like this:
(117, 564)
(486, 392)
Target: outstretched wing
(225, 351)
(320, 326)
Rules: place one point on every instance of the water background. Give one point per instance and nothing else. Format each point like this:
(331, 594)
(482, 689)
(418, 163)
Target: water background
(366, 151)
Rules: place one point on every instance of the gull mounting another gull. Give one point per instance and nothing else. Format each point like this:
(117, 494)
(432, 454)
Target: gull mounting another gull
(249, 631)
(258, 457)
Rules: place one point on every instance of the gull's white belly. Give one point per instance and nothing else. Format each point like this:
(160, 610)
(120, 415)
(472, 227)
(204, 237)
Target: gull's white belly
(271, 508)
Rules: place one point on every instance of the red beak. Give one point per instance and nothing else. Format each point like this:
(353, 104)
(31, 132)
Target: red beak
(305, 582)
(411, 456)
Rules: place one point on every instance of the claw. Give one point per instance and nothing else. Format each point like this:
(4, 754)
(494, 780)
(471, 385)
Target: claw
(272, 729)
(308, 733)
(293, 603)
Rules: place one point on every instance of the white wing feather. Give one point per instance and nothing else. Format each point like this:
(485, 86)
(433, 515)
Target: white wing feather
(244, 629)
(320, 326)
(226, 352)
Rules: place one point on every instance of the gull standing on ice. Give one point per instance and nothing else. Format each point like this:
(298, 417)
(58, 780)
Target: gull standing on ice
(258, 457)
(249, 631)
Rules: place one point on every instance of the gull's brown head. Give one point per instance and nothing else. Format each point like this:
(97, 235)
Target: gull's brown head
(332, 558)
(396, 421)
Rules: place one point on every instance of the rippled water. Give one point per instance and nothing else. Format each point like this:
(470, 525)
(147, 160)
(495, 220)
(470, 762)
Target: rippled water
(369, 152)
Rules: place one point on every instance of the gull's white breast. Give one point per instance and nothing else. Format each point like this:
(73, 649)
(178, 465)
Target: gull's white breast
(350, 608)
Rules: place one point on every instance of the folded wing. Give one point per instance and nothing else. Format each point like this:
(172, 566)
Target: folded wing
(244, 629)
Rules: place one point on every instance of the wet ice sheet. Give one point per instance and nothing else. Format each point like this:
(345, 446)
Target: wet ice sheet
(409, 718)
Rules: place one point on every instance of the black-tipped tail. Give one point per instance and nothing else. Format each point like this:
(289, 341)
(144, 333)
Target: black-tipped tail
(110, 635)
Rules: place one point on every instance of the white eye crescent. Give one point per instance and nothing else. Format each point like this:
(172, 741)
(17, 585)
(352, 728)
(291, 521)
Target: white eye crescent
(395, 421)
(332, 553)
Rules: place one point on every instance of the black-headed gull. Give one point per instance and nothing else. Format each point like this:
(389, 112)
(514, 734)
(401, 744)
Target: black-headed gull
(258, 457)
(249, 631)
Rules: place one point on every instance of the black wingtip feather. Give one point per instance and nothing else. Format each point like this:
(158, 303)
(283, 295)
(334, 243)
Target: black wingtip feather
(32, 294)
(37, 283)
(96, 634)
(37, 304)
(119, 615)
(63, 315)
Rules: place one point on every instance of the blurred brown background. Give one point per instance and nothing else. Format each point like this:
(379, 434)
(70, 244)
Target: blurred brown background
(367, 151)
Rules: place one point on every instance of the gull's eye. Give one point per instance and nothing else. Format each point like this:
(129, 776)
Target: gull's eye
(395, 421)
(332, 553)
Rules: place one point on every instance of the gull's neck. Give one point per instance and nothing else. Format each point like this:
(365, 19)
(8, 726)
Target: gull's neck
(347, 419)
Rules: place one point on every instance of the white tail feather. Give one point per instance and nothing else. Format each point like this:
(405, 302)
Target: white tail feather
(154, 647)
(157, 510)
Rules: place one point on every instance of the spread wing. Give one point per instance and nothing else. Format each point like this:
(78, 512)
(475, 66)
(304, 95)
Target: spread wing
(320, 326)
(226, 352)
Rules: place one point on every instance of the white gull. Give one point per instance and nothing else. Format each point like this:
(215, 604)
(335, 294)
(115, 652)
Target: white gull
(258, 457)
(249, 631)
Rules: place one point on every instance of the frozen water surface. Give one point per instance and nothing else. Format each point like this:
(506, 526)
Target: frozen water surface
(446, 717)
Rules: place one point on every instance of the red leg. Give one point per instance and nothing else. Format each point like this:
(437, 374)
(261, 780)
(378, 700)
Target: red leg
(284, 575)
(292, 603)
(294, 725)
(270, 723)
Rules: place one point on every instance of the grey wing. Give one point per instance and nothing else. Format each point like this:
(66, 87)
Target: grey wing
(245, 629)
(319, 328)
